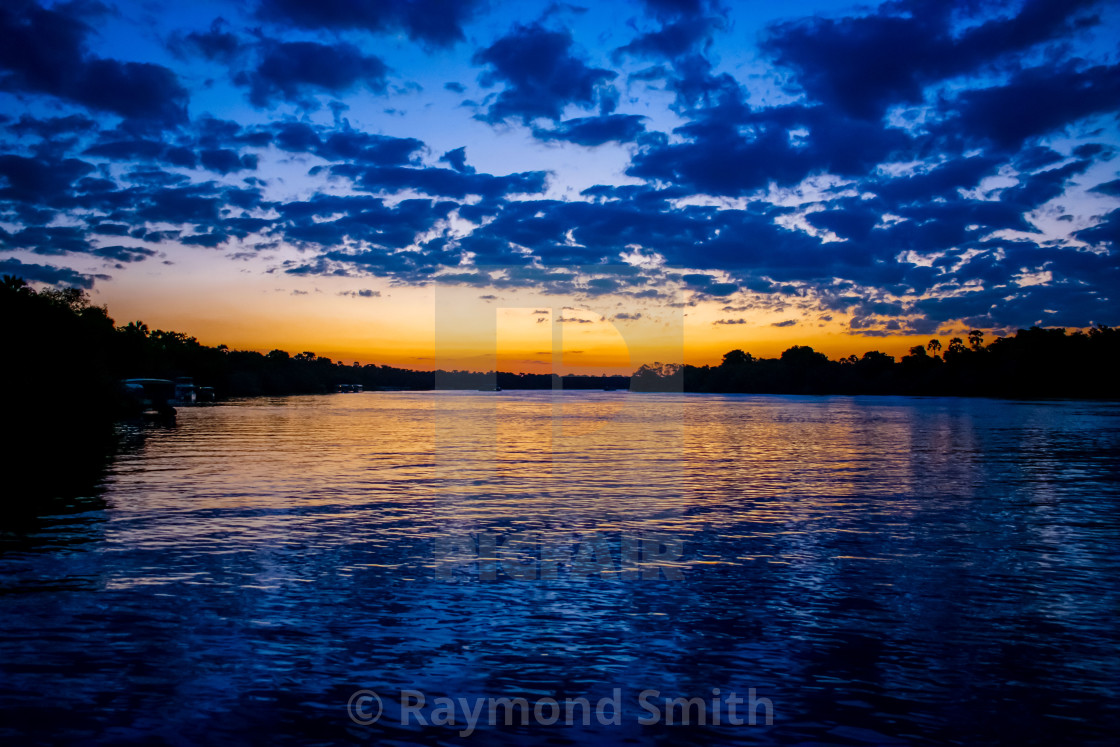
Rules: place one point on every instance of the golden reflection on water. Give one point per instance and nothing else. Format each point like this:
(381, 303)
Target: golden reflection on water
(871, 549)
(387, 468)
(545, 453)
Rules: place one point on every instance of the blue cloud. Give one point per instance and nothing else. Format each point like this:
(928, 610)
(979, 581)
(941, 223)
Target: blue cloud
(49, 274)
(672, 40)
(294, 71)
(592, 131)
(435, 22)
(1036, 101)
(541, 75)
(440, 182)
(44, 51)
(217, 43)
(862, 64)
(457, 159)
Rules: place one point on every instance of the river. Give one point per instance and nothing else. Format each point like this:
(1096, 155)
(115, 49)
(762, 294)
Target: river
(364, 568)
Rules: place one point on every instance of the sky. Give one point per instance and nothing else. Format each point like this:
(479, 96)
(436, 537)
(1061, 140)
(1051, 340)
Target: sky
(571, 187)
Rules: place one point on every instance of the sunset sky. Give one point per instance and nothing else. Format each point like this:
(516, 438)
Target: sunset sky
(427, 182)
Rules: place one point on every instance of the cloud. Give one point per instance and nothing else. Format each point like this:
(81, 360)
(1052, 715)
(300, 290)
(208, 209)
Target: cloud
(441, 182)
(39, 181)
(457, 159)
(294, 71)
(541, 76)
(217, 44)
(592, 131)
(328, 221)
(675, 8)
(861, 65)
(709, 285)
(435, 22)
(729, 150)
(1034, 102)
(225, 161)
(332, 144)
(44, 51)
(50, 240)
(342, 145)
(53, 127)
(120, 253)
(1111, 188)
(672, 40)
(362, 147)
(60, 276)
(696, 85)
(1105, 233)
(132, 149)
(194, 203)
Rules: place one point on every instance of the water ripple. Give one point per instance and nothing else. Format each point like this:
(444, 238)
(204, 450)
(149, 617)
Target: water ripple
(884, 570)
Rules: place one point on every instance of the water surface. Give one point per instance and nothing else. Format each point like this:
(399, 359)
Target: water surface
(880, 570)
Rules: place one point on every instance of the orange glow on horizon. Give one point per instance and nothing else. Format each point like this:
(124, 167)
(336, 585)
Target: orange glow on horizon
(362, 321)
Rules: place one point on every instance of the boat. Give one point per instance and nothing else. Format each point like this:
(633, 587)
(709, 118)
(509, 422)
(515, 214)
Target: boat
(150, 397)
(185, 391)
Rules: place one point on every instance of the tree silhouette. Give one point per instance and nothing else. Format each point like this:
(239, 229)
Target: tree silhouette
(135, 329)
(877, 359)
(803, 356)
(736, 358)
(976, 338)
(15, 286)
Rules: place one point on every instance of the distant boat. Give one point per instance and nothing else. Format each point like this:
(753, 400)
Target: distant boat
(151, 396)
(185, 391)
(490, 389)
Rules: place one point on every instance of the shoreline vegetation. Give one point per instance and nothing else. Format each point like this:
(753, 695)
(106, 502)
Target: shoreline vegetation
(67, 357)
(65, 347)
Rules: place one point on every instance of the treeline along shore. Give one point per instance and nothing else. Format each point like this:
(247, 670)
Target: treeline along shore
(1033, 363)
(63, 349)
(65, 359)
